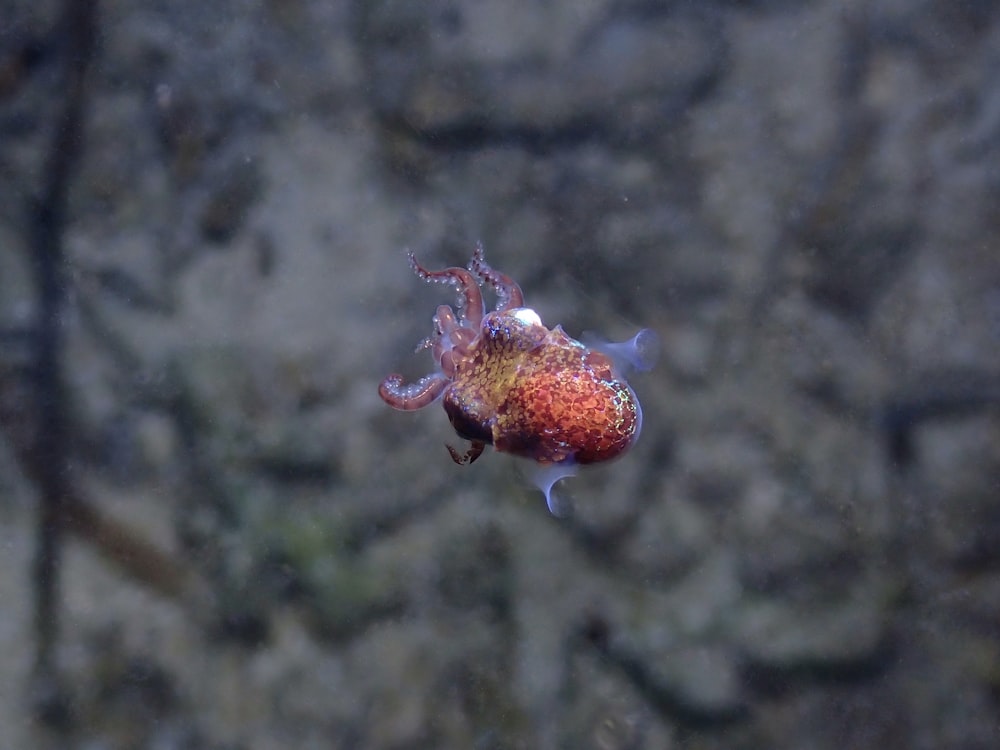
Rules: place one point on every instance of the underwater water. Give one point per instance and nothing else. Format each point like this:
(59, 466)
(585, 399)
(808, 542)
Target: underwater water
(216, 534)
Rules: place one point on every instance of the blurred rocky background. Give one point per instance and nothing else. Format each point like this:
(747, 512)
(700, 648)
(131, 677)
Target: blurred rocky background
(214, 534)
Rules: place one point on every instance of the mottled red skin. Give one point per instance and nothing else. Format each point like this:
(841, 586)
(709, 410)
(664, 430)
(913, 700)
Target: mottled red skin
(509, 381)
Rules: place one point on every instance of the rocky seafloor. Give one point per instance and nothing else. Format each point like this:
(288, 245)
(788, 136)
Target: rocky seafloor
(802, 550)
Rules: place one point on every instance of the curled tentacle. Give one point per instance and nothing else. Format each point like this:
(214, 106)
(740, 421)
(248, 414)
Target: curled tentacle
(470, 297)
(413, 395)
(452, 341)
(509, 294)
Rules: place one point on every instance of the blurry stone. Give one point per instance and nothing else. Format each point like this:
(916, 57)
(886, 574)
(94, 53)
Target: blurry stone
(185, 134)
(581, 80)
(703, 680)
(251, 408)
(823, 355)
(941, 311)
(606, 713)
(340, 590)
(672, 536)
(349, 598)
(156, 437)
(475, 572)
(821, 637)
(688, 353)
(959, 464)
(16, 300)
(229, 202)
(850, 268)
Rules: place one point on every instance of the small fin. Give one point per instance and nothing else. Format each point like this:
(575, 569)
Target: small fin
(544, 477)
(638, 353)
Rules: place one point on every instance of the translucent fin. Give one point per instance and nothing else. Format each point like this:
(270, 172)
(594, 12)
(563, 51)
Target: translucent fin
(638, 353)
(544, 477)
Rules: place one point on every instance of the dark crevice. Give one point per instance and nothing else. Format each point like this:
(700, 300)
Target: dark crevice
(477, 134)
(48, 218)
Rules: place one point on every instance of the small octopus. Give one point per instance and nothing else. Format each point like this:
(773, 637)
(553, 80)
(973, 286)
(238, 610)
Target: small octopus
(528, 390)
